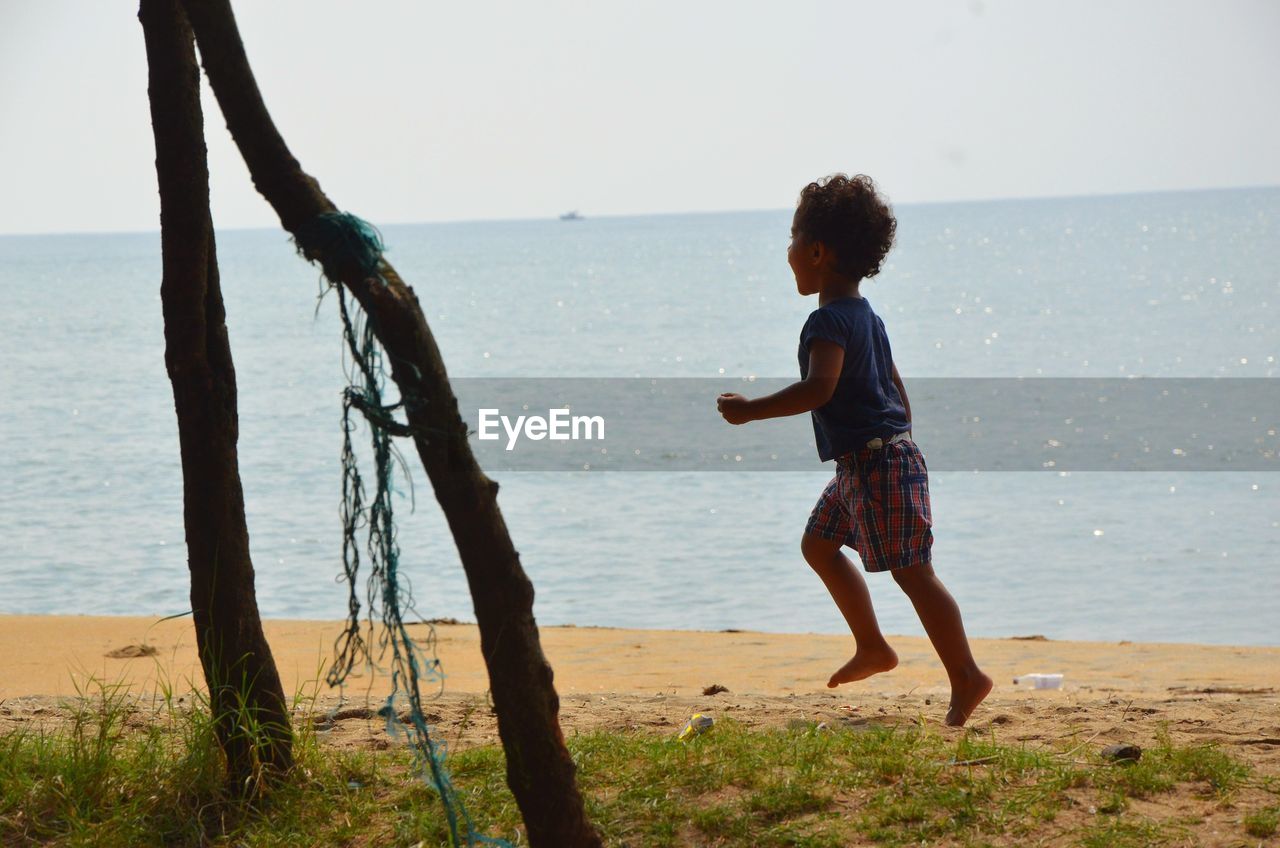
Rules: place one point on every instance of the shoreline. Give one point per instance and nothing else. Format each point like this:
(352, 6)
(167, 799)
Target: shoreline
(454, 622)
(651, 681)
(48, 656)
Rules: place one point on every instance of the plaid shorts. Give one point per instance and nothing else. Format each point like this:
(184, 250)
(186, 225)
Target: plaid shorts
(878, 504)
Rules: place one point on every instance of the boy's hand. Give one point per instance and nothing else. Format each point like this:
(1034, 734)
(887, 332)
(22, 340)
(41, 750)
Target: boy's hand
(734, 407)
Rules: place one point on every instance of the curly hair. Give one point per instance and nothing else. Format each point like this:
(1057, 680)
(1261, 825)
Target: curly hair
(850, 217)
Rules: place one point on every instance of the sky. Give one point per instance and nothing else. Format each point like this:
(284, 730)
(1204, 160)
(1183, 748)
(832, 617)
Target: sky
(416, 110)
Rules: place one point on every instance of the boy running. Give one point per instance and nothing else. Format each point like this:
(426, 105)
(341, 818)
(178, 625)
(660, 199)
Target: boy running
(878, 501)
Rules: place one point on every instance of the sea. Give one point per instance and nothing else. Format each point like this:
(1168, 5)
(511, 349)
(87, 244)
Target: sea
(1182, 285)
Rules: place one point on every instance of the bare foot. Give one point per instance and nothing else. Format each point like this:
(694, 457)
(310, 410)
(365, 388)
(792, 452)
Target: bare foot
(863, 665)
(965, 699)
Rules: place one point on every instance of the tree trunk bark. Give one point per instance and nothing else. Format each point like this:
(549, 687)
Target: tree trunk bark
(248, 703)
(540, 771)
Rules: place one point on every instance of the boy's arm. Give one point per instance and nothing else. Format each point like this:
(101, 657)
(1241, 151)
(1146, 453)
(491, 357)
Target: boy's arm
(902, 390)
(826, 359)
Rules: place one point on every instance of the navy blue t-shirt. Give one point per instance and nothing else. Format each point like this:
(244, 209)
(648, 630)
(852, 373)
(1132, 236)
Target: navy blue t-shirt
(866, 403)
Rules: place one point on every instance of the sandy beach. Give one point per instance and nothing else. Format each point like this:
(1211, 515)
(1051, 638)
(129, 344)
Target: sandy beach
(651, 680)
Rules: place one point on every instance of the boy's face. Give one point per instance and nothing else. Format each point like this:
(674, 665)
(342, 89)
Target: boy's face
(804, 257)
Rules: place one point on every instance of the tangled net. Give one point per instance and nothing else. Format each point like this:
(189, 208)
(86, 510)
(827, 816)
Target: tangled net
(340, 241)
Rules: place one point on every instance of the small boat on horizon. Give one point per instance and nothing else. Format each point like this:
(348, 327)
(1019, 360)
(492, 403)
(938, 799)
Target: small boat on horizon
(571, 215)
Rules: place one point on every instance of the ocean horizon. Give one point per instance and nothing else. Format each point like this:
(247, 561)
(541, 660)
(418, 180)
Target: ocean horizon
(552, 216)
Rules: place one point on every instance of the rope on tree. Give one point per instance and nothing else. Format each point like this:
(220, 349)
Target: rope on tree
(340, 241)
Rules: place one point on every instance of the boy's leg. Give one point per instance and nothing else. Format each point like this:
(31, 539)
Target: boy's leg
(940, 615)
(849, 591)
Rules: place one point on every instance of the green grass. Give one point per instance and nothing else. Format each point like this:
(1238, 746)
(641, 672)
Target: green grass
(113, 776)
(1262, 823)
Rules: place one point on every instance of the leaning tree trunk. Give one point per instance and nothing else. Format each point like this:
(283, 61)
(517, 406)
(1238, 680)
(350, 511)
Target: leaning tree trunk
(540, 771)
(251, 713)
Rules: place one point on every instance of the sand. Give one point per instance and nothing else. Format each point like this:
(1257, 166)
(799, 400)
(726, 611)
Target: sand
(652, 680)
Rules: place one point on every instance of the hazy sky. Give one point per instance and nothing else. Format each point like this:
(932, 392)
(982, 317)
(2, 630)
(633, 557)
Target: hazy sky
(409, 110)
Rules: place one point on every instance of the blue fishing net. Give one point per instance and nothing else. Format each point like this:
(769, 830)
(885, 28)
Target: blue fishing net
(342, 243)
